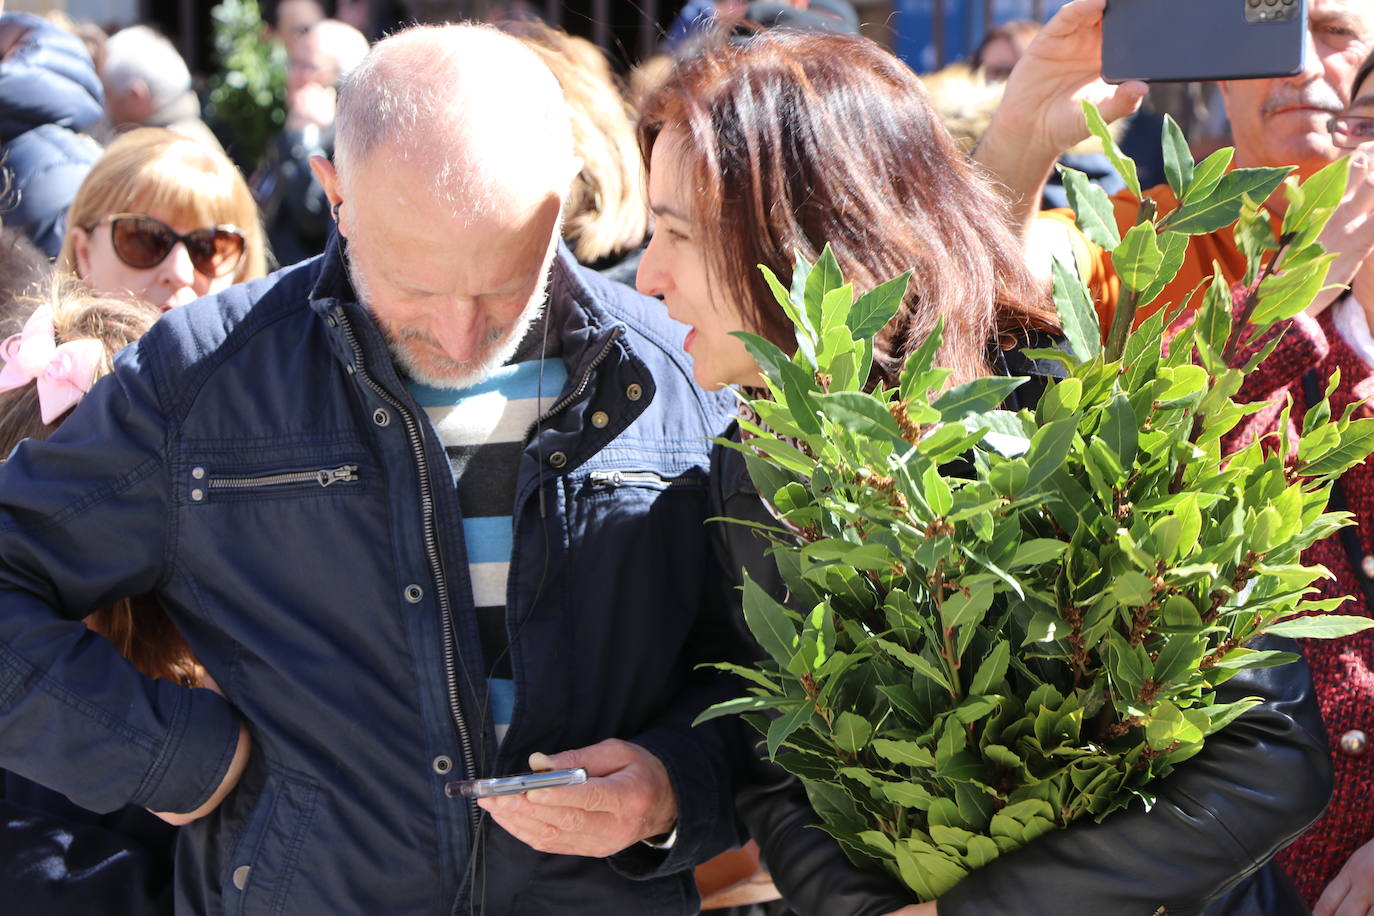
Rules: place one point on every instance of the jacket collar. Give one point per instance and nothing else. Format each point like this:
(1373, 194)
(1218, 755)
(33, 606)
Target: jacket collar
(593, 340)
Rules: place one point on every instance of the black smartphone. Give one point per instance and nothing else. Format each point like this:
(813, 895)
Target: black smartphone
(1163, 41)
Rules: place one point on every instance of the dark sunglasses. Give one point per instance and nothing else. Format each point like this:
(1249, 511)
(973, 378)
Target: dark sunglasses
(143, 242)
(1350, 131)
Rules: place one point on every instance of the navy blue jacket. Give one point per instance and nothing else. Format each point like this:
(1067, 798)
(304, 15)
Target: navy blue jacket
(49, 92)
(335, 612)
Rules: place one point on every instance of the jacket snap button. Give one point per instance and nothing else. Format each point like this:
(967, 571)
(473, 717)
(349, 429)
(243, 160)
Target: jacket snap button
(634, 392)
(241, 876)
(558, 460)
(1354, 743)
(197, 495)
(198, 473)
(442, 764)
(600, 419)
(414, 593)
(1367, 567)
(381, 417)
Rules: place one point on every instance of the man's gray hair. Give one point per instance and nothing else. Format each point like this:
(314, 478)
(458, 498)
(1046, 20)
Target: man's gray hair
(465, 106)
(140, 53)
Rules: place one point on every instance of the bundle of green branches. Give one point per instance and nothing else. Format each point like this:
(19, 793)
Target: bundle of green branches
(1000, 623)
(247, 99)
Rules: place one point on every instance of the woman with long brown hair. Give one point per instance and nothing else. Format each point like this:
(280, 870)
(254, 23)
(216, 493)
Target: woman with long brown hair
(784, 142)
(790, 140)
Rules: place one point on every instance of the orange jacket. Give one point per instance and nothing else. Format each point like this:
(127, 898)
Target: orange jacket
(1095, 264)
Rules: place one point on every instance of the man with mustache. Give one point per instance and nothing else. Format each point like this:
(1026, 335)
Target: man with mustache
(1275, 122)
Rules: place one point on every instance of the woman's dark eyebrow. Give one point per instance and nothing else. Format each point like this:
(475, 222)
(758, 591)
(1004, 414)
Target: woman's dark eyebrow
(669, 210)
(1364, 101)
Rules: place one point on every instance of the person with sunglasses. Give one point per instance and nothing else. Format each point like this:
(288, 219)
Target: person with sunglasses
(164, 219)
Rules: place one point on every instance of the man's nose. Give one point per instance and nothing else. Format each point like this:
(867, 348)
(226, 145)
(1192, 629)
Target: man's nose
(459, 330)
(1313, 66)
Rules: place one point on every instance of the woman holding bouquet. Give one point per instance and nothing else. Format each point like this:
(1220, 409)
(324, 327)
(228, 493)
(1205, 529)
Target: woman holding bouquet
(787, 141)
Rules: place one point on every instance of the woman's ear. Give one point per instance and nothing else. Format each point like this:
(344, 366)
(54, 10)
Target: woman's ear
(81, 250)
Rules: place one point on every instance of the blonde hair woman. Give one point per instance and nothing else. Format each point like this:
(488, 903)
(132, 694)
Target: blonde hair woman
(162, 218)
(607, 215)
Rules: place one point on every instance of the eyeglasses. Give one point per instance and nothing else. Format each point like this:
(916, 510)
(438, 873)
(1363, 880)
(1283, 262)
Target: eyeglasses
(1351, 131)
(143, 242)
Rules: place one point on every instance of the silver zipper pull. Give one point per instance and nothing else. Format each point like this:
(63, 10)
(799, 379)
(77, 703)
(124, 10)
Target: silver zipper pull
(346, 473)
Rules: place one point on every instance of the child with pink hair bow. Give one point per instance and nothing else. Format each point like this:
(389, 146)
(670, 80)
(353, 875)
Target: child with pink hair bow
(62, 372)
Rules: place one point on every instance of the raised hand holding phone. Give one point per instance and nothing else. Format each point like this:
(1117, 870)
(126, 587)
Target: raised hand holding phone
(1041, 114)
(626, 798)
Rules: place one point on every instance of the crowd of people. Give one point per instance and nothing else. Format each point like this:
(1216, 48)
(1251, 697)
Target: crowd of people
(283, 555)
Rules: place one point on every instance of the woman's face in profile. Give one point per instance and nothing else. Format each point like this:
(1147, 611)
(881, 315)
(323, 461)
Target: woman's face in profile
(107, 255)
(676, 269)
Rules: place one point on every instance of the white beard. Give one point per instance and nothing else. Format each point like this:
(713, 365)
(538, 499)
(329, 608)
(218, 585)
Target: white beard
(458, 375)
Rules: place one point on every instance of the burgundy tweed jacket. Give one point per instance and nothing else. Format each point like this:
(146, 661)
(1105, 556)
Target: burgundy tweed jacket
(1342, 669)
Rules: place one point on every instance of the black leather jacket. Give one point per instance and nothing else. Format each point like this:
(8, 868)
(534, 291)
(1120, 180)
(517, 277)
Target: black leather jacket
(1216, 822)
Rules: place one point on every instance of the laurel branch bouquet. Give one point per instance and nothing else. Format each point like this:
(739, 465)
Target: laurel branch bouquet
(1001, 623)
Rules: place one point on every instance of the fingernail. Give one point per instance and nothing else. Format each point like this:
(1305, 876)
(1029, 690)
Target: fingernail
(540, 761)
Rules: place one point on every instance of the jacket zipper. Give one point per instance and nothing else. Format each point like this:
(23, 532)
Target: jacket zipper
(436, 564)
(640, 478)
(560, 405)
(347, 473)
(586, 378)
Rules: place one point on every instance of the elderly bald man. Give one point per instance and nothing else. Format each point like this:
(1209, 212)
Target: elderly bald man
(427, 508)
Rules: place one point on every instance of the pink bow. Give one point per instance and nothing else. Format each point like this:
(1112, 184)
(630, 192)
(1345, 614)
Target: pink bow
(63, 373)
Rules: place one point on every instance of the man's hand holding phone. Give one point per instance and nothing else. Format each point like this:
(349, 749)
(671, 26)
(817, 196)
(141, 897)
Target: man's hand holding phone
(627, 798)
(1041, 114)
(498, 786)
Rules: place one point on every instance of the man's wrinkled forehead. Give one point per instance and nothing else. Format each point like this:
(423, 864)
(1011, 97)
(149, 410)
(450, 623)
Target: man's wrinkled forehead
(412, 237)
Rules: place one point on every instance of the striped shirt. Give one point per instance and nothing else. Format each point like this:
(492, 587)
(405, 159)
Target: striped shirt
(483, 430)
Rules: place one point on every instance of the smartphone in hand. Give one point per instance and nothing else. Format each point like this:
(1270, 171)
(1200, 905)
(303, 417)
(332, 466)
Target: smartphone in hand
(1189, 40)
(514, 785)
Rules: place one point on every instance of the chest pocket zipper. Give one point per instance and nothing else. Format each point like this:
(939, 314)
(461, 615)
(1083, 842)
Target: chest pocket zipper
(326, 477)
(611, 479)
